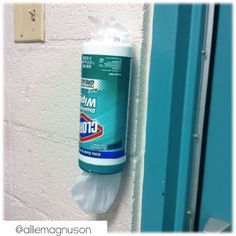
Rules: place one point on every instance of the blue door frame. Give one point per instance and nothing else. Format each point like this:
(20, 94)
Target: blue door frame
(178, 35)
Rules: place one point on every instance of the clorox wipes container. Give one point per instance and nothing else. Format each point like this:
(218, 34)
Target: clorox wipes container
(105, 77)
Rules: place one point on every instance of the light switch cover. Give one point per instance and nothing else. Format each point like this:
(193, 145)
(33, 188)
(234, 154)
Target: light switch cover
(28, 23)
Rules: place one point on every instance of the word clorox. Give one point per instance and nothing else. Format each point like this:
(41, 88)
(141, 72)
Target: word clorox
(105, 76)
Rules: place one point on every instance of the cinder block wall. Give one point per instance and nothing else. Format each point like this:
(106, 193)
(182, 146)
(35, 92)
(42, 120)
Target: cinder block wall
(41, 119)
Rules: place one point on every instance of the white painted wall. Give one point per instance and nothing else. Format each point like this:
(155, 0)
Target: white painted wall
(41, 120)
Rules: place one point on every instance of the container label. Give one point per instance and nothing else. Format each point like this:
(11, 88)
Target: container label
(103, 105)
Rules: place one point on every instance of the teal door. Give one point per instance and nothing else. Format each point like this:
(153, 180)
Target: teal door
(174, 199)
(215, 188)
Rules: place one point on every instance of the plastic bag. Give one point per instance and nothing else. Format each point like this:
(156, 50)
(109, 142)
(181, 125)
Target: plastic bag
(108, 30)
(95, 193)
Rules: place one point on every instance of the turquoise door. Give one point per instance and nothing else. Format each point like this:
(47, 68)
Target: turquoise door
(215, 197)
(177, 58)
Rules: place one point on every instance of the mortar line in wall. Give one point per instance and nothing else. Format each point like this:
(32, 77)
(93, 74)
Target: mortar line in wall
(77, 39)
(44, 134)
(56, 43)
(28, 204)
(6, 122)
(12, 196)
(65, 39)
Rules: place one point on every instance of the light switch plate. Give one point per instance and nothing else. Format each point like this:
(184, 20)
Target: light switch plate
(28, 23)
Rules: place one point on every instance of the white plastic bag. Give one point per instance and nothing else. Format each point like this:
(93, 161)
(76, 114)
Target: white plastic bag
(108, 31)
(95, 193)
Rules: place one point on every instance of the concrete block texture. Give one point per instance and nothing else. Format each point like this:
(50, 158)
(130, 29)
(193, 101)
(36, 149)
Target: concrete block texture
(41, 115)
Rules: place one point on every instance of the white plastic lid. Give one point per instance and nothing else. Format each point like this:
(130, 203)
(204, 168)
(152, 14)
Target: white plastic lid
(101, 48)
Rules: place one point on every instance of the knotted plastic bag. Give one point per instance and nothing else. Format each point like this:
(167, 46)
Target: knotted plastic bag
(95, 193)
(108, 31)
